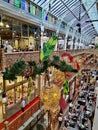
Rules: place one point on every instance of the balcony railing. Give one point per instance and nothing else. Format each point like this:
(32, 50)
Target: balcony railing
(17, 120)
(10, 58)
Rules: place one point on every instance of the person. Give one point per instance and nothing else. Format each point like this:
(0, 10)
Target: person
(26, 49)
(9, 48)
(31, 46)
(22, 104)
(60, 118)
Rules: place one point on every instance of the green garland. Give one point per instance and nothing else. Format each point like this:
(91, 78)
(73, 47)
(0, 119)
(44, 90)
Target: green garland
(15, 70)
(18, 67)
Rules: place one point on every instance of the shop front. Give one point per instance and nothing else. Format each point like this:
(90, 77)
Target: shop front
(19, 33)
(15, 91)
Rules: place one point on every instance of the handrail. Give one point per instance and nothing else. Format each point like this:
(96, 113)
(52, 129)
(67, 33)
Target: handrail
(20, 117)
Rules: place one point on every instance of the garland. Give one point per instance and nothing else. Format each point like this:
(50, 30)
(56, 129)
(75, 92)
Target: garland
(19, 67)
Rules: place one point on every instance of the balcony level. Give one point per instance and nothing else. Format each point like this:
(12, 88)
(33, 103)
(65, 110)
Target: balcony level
(10, 58)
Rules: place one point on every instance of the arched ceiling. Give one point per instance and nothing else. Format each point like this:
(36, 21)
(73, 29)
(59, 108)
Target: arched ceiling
(74, 12)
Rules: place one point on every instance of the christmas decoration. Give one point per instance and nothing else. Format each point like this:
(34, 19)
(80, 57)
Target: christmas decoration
(33, 68)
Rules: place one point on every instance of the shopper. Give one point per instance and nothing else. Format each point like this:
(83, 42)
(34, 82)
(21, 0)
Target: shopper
(31, 47)
(9, 48)
(60, 118)
(23, 104)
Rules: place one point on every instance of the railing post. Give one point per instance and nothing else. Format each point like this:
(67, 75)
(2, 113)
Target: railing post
(6, 125)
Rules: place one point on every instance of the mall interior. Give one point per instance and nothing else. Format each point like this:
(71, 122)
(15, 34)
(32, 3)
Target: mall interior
(48, 64)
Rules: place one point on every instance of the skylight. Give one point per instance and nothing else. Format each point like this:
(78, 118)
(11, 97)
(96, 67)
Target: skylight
(93, 14)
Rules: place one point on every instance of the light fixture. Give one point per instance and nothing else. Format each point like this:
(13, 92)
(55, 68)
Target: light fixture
(7, 26)
(1, 24)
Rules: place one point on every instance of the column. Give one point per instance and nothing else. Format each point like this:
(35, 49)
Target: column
(73, 35)
(42, 31)
(76, 44)
(65, 41)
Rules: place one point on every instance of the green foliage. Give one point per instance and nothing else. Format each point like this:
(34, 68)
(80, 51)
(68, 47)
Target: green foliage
(96, 46)
(48, 48)
(18, 67)
(66, 87)
(15, 70)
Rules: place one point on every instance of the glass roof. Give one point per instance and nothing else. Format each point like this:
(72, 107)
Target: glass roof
(74, 12)
(93, 14)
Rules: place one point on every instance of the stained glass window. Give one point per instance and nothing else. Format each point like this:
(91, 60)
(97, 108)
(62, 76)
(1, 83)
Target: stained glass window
(11, 2)
(27, 6)
(41, 13)
(47, 17)
(23, 4)
(17, 3)
(31, 8)
(6, 0)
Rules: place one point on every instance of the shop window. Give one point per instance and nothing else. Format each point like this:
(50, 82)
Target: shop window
(24, 30)
(31, 89)
(10, 97)
(18, 93)
(25, 92)
(31, 32)
(17, 30)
